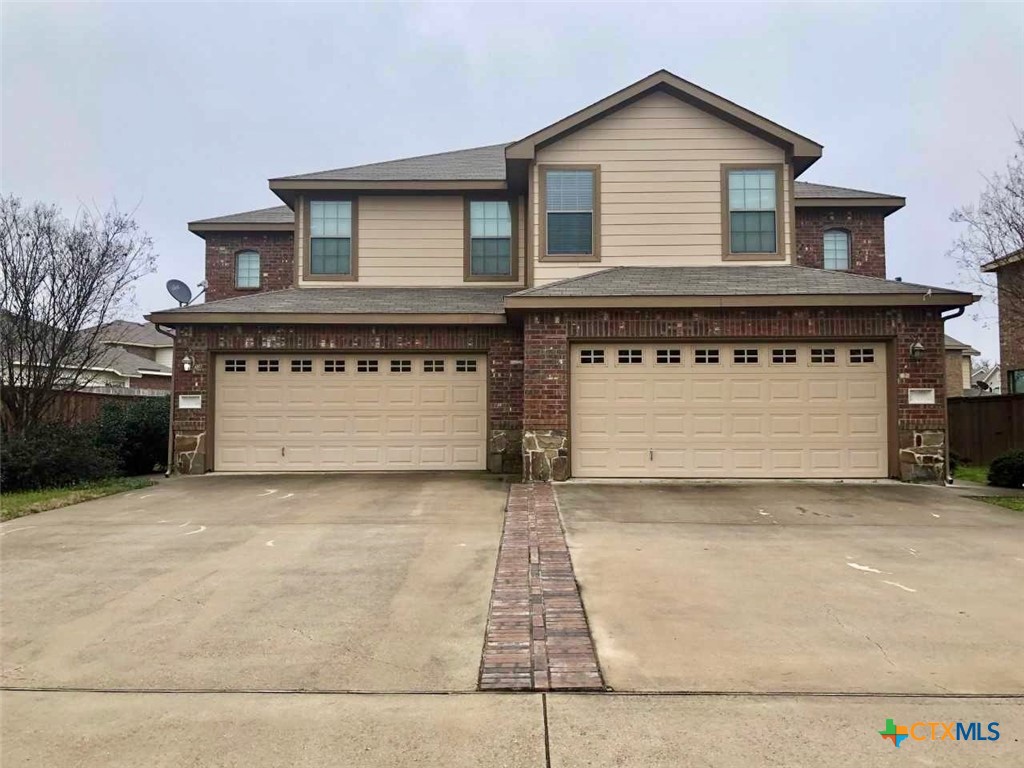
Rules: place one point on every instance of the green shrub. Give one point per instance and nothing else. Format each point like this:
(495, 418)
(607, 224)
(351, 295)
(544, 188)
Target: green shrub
(955, 461)
(1007, 470)
(54, 455)
(136, 433)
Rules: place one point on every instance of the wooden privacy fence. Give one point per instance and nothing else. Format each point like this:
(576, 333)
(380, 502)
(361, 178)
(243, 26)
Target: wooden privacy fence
(84, 406)
(981, 428)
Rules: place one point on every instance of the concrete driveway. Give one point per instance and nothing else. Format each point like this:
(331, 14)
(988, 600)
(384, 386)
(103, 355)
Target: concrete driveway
(840, 588)
(368, 582)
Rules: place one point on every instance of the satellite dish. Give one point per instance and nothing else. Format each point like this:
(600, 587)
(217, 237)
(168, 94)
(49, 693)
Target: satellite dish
(180, 291)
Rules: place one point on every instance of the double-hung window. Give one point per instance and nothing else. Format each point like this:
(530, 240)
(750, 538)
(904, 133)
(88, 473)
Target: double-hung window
(752, 216)
(571, 212)
(837, 249)
(490, 245)
(331, 228)
(247, 269)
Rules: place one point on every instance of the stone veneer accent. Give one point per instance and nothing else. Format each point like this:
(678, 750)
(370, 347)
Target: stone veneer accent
(277, 262)
(920, 429)
(502, 344)
(867, 237)
(537, 635)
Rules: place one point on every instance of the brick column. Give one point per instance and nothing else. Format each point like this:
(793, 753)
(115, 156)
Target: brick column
(545, 398)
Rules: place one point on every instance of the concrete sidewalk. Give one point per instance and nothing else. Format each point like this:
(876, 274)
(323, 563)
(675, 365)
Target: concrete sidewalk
(121, 730)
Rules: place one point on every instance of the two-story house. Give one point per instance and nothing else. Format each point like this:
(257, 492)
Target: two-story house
(1009, 271)
(641, 289)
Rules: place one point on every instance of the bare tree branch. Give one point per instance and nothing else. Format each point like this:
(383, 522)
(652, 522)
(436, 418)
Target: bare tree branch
(61, 283)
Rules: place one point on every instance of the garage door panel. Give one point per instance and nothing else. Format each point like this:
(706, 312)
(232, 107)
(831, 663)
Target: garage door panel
(312, 418)
(783, 416)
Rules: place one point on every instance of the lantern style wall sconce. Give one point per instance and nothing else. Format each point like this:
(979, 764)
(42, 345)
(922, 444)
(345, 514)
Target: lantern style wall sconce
(186, 363)
(916, 350)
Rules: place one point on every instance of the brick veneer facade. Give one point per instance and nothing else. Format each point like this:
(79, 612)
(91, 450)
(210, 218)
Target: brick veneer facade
(1011, 321)
(149, 381)
(867, 237)
(277, 262)
(502, 344)
(920, 429)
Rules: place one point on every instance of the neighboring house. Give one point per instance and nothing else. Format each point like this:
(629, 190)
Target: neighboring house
(642, 289)
(138, 356)
(1009, 272)
(988, 380)
(958, 367)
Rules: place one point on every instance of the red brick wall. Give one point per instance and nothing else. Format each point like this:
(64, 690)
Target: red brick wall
(148, 381)
(502, 344)
(1011, 321)
(547, 336)
(867, 237)
(277, 262)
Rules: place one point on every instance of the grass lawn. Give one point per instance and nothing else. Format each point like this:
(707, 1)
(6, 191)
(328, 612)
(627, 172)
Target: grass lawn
(973, 473)
(1016, 503)
(22, 503)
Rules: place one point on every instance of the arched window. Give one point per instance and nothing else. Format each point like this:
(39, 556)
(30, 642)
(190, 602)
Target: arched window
(837, 249)
(247, 269)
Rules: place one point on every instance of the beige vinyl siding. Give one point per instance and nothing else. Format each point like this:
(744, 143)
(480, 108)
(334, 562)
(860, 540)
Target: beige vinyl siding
(414, 240)
(661, 191)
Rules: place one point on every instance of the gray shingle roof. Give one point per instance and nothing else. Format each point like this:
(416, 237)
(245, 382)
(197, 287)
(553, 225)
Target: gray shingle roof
(279, 214)
(475, 164)
(724, 281)
(951, 343)
(127, 363)
(805, 190)
(127, 332)
(344, 301)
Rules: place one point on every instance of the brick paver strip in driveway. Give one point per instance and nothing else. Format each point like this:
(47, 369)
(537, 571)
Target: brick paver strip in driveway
(537, 633)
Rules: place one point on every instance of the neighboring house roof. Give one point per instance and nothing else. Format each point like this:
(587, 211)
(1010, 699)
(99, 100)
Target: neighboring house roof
(952, 344)
(128, 364)
(1004, 261)
(310, 305)
(987, 374)
(736, 286)
(133, 334)
(283, 217)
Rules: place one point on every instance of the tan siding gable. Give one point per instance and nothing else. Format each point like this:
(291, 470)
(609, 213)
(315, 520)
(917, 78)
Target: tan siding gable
(412, 240)
(661, 199)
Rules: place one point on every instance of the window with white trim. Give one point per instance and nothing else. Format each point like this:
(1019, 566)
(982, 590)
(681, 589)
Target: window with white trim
(234, 366)
(744, 356)
(837, 249)
(823, 355)
(706, 356)
(668, 356)
(465, 366)
(433, 366)
(401, 366)
(247, 269)
(784, 356)
(862, 355)
(591, 356)
(268, 366)
(367, 366)
(302, 366)
(334, 366)
(630, 356)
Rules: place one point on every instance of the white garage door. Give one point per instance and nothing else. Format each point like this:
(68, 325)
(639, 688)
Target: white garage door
(365, 411)
(729, 410)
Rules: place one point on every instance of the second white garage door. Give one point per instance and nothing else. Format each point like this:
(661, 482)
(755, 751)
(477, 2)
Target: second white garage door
(365, 411)
(779, 410)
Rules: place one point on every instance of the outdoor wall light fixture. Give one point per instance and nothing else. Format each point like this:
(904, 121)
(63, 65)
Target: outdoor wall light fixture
(916, 350)
(186, 363)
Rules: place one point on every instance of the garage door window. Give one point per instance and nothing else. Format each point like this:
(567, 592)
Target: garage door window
(465, 366)
(234, 366)
(631, 356)
(744, 356)
(783, 356)
(591, 357)
(366, 366)
(823, 355)
(433, 366)
(669, 356)
(334, 366)
(706, 356)
(401, 366)
(862, 355)
(268, 366)
(302, 366)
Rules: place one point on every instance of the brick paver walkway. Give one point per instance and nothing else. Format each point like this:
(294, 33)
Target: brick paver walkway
(537, 634)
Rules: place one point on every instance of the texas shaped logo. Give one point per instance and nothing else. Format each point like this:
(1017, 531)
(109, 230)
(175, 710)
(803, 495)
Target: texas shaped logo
(894, 733)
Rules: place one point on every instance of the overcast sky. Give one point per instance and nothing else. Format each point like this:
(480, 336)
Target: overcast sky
(185, 110)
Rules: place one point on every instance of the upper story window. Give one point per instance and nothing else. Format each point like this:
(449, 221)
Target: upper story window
(247, 269)
(752, 211)
(490, 245)
(570, 196)
(331, 239)
(837, 249)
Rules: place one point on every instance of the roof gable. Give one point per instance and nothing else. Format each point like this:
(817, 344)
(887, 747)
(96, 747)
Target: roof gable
(804, 150)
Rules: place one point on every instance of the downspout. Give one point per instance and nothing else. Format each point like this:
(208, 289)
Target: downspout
(949, 475)
(170, 417)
